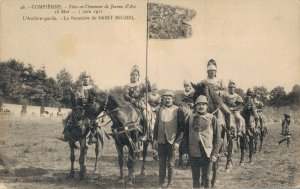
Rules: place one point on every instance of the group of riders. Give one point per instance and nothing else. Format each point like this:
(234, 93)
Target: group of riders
(145, 98)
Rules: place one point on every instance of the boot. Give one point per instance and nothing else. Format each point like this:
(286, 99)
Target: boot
(170, 177)
(145, 136)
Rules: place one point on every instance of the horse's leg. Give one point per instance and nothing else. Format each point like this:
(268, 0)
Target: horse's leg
(83, 152)
(242, 148)
(251, 148)
(72, 159)
(261, 137)
(238, 143)
(131, 165)
(121, 162)
(97, 145)
(229, 153)
(145, 148)
(255, 137)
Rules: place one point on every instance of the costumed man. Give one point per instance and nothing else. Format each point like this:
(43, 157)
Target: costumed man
(218, 108)
(249, 101)
(235, 103)
(135, 93)
(154, 98)
(187, 95)
(201, 141)
(187, 101)
(82, 97)
(286, 129)
(259, 109)
(168, 132)
(217, 85)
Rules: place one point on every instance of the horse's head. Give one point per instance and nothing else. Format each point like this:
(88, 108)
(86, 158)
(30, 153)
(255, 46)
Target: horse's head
(207, 90)
(98, 102)
(200, 89)
(77, 113)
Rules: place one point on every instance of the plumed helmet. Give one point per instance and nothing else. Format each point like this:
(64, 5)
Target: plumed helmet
(135, 68)
(168, 93)
(201, 99)
(212, 65)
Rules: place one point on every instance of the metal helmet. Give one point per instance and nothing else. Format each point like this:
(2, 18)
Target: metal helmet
(186, 82)
(86, 74)
(212, 65)
(135, 68)
(231, 84)
(201, 99)
(168, 93)
(154, 86)
(249, 92)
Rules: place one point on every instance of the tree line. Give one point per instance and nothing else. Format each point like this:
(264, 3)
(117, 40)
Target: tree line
(23, 84)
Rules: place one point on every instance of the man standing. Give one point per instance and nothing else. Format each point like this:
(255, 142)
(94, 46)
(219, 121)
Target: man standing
(285, 124)
(187, 102)
(168, 132)
(286, 129)
(201, 141)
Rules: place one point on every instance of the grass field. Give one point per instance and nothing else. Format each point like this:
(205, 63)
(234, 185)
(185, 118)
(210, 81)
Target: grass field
(43, 162)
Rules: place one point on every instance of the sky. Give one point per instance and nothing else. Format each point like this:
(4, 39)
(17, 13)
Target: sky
(255, 43)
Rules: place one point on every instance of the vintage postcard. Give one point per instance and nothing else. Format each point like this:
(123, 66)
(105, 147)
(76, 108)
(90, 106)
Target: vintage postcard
(149, 94)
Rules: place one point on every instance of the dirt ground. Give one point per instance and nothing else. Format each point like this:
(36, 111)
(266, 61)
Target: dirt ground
(41, 161)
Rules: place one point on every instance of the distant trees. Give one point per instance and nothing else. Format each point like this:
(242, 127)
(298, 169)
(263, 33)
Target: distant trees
(262, 93)
(277, 98)
(294, 99)
(64, 82)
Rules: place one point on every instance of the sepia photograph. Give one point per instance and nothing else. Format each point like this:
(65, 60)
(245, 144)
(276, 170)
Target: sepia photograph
(149, 94)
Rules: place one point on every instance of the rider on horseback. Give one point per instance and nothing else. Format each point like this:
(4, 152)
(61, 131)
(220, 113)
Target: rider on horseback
(154, 99)
(250, 103)
(134, 93)
(234, 102)
(81, 97)
(259, 108)
(187, 95)
(217, 85)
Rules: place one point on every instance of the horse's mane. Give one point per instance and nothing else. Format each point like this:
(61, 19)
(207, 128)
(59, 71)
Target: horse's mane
(115, 100)
(203, 88)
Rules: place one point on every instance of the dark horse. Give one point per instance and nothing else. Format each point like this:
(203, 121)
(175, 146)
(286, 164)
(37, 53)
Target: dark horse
(215, 104)
(126, 130)
(78, 128)
(249, 139)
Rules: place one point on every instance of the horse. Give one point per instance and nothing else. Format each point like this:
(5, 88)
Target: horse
(78, 128)
(215, 104)
(126, 130)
